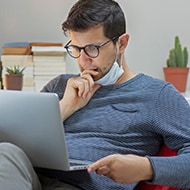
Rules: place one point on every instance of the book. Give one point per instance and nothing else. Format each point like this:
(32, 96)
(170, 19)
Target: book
(49, 68)
(16, 44)
(48, 72)
(45, 44)
(50, 53)
(48, 49)
(16, 48)
(50, 64)
(21, 60)
(48, 58)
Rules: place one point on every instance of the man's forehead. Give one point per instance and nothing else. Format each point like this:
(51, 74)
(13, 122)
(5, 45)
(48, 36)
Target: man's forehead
(92, 35)
(96, 29)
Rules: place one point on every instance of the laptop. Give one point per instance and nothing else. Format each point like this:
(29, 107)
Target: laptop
(32, 121)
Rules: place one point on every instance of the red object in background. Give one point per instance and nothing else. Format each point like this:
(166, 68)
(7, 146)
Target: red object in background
(164, 151)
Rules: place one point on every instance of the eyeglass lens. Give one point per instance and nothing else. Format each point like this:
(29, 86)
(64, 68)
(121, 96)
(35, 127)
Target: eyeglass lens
(90, 50)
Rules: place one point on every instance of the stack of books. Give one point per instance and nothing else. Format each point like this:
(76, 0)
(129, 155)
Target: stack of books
(49, 61)
(42, 61)
(18, 54)
(16, 48)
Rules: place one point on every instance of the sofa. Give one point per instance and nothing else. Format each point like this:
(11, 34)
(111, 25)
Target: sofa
(164, 151)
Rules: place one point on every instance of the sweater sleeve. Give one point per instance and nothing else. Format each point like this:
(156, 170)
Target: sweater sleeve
(172, 121)
(57, 85)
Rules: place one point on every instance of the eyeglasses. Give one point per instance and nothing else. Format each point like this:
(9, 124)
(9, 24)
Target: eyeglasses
(91, 50)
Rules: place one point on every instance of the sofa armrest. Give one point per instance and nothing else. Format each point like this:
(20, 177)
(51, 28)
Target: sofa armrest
(164, 151)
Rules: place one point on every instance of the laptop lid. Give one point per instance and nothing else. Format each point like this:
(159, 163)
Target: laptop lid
(32, 121)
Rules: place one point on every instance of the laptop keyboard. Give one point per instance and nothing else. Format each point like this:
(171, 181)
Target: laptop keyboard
(76, 164)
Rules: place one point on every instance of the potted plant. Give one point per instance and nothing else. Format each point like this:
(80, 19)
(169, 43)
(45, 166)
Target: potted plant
(14, 77)
(177, 71)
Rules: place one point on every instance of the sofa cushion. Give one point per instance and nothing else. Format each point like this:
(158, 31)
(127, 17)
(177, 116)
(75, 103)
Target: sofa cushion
(164, 151)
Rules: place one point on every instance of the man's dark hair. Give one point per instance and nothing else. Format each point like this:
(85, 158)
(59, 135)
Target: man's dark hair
(90, 13)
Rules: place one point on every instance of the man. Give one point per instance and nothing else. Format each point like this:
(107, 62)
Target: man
(114, 115)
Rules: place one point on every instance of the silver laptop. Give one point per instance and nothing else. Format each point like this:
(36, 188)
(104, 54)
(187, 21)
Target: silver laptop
(32, 121)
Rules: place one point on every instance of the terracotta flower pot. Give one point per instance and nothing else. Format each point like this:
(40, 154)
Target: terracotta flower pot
(177, 76)
(14, 81)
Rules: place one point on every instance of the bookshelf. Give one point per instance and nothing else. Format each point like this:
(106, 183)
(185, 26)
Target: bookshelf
(37, 72)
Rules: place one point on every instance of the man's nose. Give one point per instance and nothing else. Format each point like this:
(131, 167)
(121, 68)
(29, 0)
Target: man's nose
(83, 55)
(84, 58)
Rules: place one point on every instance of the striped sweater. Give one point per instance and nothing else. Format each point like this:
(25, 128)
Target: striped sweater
(134, 117)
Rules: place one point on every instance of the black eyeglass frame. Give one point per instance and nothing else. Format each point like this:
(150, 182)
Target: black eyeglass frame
(84, 47)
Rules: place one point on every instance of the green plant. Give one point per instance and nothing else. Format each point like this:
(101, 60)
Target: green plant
(178, 57)
(15, 70)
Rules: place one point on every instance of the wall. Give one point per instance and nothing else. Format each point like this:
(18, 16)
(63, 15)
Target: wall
(152, 26)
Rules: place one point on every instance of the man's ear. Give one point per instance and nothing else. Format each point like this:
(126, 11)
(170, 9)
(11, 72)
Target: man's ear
(123, 41)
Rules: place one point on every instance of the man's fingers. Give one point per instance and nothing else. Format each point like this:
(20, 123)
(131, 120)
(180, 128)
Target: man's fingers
(104, 170)
(89, 78)
(81, 85)
(99, 164)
